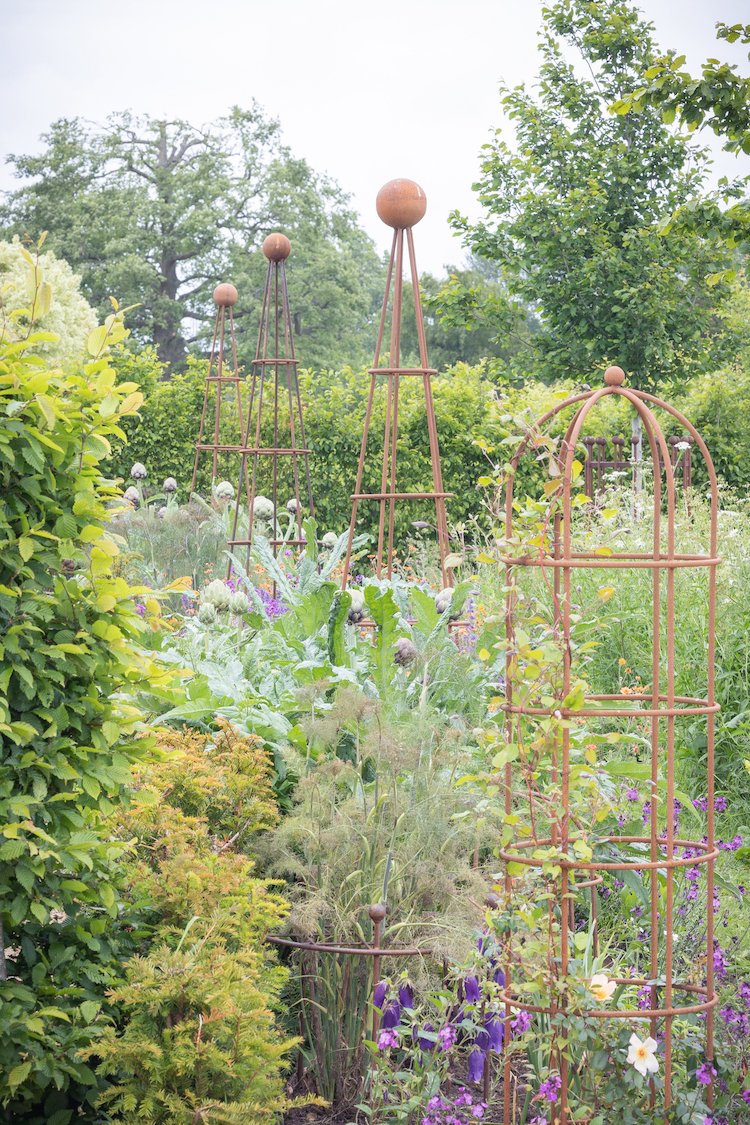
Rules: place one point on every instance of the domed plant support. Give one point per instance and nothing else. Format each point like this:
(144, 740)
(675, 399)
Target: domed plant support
(222, 392)
(400, 204)
(555, 725)
(268, 469)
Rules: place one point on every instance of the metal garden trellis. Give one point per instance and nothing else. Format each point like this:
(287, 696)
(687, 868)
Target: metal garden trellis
(225, 296)
(400, 204)
(661, 853)
(274, 378)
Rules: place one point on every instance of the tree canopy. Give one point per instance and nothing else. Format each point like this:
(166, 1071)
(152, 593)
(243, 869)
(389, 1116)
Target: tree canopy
(719, 99)
(573, 207)
(156, 212)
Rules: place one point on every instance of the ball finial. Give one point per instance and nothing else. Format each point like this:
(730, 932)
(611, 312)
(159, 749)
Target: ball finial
(277, 247)
(225, 294)
(614, 376)
(401, 203)
(376, 911)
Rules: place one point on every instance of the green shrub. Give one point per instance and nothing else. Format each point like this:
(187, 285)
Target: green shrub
(69, 649)
(197, 1038)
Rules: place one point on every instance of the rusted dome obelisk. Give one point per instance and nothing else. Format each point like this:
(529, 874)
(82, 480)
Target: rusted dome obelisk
(274, 453)
(217, 382)
(400, 204)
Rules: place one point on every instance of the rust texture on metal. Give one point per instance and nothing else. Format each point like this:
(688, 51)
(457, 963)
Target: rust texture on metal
(375, 950)
(601, 465)
(400, 204)
(660, 854)
(275, 460)
(223, 391)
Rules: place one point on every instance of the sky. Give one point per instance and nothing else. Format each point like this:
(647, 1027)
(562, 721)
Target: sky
(366, 92)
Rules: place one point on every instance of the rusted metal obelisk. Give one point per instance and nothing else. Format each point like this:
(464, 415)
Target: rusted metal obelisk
(400, 204)
(225, 296)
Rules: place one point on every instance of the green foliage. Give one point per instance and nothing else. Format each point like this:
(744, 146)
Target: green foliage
(70, 654)
(159, 211)
(196, 1036)
(164, 436)
(718, 99)
(42, 290)
(573, 210)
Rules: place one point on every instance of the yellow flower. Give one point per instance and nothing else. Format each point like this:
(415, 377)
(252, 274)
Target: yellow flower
(602, 988)
(622, 661)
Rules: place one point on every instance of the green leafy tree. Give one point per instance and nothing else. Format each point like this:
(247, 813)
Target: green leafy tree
(468, 318)
(573, 208)
(159, 211)
(69, 653)
(718, 99)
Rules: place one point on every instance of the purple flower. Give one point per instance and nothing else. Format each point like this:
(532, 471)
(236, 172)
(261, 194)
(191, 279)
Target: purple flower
(646, 812)
(381, 990)
(140, 609)
(701, 803)
(705, 1073)
(631, 794)
(521, 1023)
(472, 991)
(551, 1087)
(476, 1065)
(499, 977)
(392, 1014)
(495, 1032)
(745, 1095)
(387, 1038)
(720, 804)
(446, 1037)
(406, 996)
(425, 1043)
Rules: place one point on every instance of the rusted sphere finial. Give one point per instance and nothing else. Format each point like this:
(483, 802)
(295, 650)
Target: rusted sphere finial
(376, 911)
(401, 203)
(225, 294)
(614, 376)
(277, 247)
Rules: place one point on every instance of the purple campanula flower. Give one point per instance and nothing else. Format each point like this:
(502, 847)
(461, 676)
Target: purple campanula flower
(476, 1065)
(472, 991)
(745, 1095)
(495, 1032)
(381, 991)
(392, 1014)
(406, 996)
(424, 1043)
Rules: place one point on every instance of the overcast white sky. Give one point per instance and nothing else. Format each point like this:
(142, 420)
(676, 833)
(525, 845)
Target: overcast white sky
(364, 91)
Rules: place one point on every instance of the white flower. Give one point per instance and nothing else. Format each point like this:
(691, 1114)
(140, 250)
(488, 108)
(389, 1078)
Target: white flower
(642, 1055)
(682, 445)
(170, 485)
(602, 988)
(225, 490)
(329, 540)
(263, 509)
(292, 507)
(132, 496)
(138, 472)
